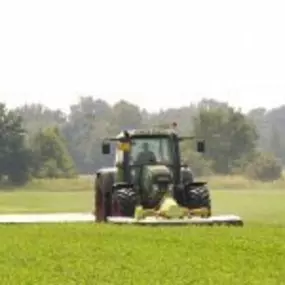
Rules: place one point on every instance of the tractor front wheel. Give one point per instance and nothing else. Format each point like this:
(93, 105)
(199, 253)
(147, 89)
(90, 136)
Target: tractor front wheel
(198, 196)
(124, 202)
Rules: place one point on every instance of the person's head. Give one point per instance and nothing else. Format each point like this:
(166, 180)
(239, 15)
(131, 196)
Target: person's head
(145, 146)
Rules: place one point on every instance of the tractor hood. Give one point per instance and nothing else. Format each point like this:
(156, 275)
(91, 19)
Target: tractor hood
(156, 182)
(159, 174)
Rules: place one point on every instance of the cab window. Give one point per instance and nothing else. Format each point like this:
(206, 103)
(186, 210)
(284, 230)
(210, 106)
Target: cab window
(159, 146)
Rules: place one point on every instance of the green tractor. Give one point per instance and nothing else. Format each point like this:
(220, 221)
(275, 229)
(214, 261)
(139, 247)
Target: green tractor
(150, 184)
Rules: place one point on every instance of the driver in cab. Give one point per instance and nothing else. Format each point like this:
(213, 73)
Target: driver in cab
(146, 155)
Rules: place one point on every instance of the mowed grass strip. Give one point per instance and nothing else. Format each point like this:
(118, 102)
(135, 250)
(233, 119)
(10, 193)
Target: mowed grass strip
(106, 254)
(45, 202)
(81, 183)
(263, 206)
(48, 195)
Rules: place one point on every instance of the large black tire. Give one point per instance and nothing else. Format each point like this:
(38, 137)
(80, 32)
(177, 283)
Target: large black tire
(99, 209)
(198, 196)
(124, 202)
(103, 186)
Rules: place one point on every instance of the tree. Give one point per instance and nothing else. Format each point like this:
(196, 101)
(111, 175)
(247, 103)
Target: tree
(228, 134)
(125, 116)
(265, 167)
(37, 116)
(270, 125)
(276, 145)
(14, 154)
(88, 123)
(51, 157)
(198, 164)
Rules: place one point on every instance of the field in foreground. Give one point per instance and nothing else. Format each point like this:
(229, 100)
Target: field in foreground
(93, 254)
(104, 254)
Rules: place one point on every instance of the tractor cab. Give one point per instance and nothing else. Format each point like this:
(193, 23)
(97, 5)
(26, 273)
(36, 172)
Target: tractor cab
(149, 161)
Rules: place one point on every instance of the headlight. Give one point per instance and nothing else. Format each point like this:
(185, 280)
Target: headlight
(155, 187)
(170, 188)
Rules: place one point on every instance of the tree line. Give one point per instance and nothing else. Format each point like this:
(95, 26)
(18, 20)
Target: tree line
(36, 141)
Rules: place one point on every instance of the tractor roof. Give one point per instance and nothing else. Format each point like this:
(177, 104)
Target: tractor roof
(148, 132)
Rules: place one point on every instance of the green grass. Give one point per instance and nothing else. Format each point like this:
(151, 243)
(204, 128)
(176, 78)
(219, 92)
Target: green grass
(85, 183)
(106, 254)
(99, 254)
(237, 182)
(266, 207)
(56, 195)
(54, 185)
(42, 201)
(262, 207)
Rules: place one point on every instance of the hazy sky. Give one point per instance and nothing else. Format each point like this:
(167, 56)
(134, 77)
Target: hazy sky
(154, 53)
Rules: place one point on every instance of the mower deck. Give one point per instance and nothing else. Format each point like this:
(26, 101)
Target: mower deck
(230, 220)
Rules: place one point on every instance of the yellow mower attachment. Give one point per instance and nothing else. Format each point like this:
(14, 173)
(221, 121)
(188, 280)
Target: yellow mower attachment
(169, 209)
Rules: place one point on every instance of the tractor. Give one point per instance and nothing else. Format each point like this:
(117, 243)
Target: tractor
(149, 183)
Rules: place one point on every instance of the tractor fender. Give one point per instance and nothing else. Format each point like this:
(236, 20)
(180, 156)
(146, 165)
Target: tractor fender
(105, 178)
(186, 175)
(103, 184)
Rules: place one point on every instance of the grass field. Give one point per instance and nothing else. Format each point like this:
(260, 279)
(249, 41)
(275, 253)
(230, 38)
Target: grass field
(265, 207)
(105, 254)
(92, 254)
(85, 183)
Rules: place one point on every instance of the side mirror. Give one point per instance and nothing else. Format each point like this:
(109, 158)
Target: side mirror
(201, 146)
(106, 148)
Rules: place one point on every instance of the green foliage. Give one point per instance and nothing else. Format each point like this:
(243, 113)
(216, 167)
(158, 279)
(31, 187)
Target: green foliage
(15, 156)
(264, 167)
(51, 157)
(88, 123)
(270, 126)
(125, 116)
(36, 116)
(231, 137)
(276, 143)
(56, 143)
(198, 164)
(228, 134)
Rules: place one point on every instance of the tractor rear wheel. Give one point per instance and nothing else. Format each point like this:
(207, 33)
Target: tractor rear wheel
(124, 202)
(198, 196)
(102, 199)
(99, 202)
